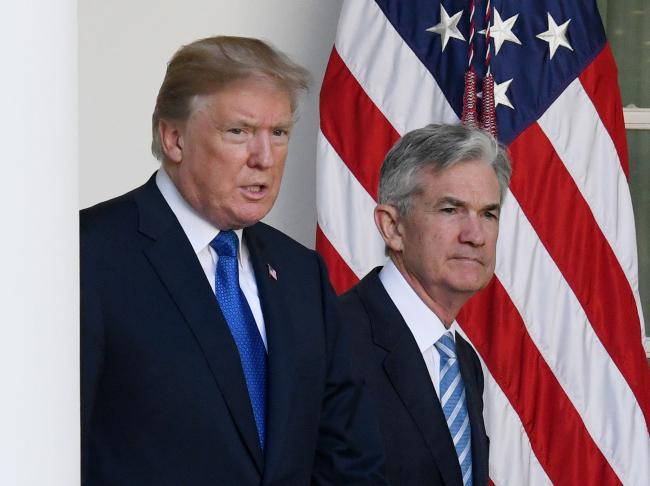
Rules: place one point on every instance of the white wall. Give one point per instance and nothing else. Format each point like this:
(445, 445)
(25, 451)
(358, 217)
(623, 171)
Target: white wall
(123, 50)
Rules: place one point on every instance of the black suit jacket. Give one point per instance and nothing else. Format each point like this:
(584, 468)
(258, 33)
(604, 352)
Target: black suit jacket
(163, 396)
(418, 446)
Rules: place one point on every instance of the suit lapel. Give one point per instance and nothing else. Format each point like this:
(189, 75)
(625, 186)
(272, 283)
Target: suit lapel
(176, 264)
(409, 376)
(474, 410)
(279, 333)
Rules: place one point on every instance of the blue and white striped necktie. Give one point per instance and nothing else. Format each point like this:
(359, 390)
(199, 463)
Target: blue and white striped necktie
(452, 399)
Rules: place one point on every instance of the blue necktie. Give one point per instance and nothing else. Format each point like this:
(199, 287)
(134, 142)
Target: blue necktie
(241, 322)
(452, 399)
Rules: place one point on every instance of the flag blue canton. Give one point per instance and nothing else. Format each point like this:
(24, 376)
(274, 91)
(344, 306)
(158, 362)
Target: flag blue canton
(536, 79)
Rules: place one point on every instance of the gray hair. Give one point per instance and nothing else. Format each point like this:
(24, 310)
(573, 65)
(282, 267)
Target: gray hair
(207, 65)
(437, 147)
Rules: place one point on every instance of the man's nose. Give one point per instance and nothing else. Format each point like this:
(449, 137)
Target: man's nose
(261, 153)
(472, 231)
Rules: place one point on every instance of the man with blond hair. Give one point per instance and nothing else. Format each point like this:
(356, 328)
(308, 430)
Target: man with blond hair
(211, 350)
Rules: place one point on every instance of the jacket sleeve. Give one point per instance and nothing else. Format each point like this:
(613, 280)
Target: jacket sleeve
(91, 341)
(349, 449)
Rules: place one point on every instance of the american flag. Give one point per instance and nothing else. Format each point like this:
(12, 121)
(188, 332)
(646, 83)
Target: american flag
(559, 329)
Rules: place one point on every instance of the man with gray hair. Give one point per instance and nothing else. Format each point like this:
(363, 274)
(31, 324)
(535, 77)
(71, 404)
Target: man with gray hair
(211, 351)
(440, 194)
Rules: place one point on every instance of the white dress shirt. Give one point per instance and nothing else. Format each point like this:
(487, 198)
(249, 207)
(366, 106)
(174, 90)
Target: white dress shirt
(424, 324)
(201, 232)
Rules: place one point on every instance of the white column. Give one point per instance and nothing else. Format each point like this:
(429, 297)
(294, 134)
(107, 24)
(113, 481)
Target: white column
(39, 309)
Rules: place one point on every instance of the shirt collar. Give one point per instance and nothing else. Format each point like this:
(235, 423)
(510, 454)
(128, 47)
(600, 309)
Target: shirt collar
(424, 324)
(198, 230)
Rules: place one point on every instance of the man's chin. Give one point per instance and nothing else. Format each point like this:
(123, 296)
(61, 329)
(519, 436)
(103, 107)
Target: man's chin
(248, 218)
(472, 284)
(240, 214)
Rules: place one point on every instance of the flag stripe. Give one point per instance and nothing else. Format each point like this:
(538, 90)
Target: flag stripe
(346, 213)
(365, 31)
(341, 276)
(346, 109)
(581, 141)
(560, 216)
(600, 82)
(512, 460)
(572, 351)
(505, 354)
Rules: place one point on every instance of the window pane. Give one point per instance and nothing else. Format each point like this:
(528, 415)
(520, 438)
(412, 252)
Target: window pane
(628, 30)
(639, 147)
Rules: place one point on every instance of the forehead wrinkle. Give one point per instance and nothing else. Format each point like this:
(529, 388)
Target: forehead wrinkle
(451, 200)
(209, 108)
(241, 117)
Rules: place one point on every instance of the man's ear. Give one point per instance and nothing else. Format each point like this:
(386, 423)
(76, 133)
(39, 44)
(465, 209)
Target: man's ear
(387, 220)
(171, 139)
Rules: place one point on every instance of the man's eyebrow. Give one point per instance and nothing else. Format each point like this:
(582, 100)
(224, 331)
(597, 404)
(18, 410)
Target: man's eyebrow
(238, 121)
(492, 207)
(250, 123)
(459, 203)
(285, 125)
(450, 200)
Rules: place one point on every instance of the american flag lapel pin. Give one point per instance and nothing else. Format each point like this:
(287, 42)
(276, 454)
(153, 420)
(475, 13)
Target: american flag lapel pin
(272, 273)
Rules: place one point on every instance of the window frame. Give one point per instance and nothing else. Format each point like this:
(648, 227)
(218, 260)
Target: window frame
(636, 118)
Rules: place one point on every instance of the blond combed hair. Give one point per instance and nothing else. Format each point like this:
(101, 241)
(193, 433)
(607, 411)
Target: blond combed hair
(207, 65)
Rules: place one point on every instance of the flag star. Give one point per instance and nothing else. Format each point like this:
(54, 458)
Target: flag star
(501, 31)
(555, 35)
(447, 27)
(500, 96)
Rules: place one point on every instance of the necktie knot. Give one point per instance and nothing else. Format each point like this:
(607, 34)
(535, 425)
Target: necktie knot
(226, 243)
(446, 346)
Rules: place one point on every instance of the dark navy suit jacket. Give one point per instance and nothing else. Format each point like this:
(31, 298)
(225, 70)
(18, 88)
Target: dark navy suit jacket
(163, 396)
(418, 446)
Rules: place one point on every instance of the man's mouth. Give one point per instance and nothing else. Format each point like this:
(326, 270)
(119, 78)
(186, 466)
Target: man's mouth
(468, 259)
(255, 191)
